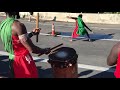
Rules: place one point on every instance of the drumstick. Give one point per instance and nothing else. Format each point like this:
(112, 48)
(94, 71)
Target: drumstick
(56, 46)
(37, 25)
(53, 48)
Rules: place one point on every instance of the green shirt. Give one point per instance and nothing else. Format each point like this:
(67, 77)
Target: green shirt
(81, 28)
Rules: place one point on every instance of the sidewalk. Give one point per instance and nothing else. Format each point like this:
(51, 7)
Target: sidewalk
(67, 23)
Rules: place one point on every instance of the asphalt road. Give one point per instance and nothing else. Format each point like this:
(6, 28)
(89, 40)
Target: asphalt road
(91, 55)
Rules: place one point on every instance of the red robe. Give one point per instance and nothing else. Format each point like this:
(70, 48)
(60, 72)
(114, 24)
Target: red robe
(74, 33)
(23, 64)
(117, 71)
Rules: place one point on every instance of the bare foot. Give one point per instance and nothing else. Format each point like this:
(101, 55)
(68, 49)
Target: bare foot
(71, 40)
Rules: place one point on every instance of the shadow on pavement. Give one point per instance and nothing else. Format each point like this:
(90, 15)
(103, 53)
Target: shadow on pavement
(94, 37)
(85, 73)
(45, 73)
(104, 74)
(4, 66)
(3, 57)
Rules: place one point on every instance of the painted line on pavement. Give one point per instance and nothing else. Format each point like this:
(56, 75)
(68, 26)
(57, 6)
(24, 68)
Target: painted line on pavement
(91, 67)
(82, 37)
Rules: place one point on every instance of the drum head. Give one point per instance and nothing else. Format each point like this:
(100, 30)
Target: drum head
(62, 54)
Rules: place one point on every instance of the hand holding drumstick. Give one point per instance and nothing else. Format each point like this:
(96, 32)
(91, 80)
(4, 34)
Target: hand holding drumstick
(48, 50)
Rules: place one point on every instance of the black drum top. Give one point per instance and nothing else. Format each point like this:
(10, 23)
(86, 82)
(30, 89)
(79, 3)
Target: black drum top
(62, 54)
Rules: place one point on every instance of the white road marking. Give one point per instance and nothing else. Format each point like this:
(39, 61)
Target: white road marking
(91, 67)
(110, 39)
(97, 68)
(81, 37)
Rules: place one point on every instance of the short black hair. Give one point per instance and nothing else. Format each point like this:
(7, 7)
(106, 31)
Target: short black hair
(80, 15)
(10, 13)
(31, 13)
(13, 14)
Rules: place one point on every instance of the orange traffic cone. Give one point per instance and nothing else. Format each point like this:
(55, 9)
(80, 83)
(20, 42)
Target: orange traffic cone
(53, 30)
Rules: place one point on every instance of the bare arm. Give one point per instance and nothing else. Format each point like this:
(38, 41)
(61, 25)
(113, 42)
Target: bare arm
(20, 29)
(87, 27)
(72, 17)
(113, 56)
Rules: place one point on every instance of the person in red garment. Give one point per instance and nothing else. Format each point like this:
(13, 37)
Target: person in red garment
(74, 34)
(80, 28)
(114, 59)
(18, 44)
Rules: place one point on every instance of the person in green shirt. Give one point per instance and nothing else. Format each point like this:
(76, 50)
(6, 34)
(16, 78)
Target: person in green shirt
(80, 27)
